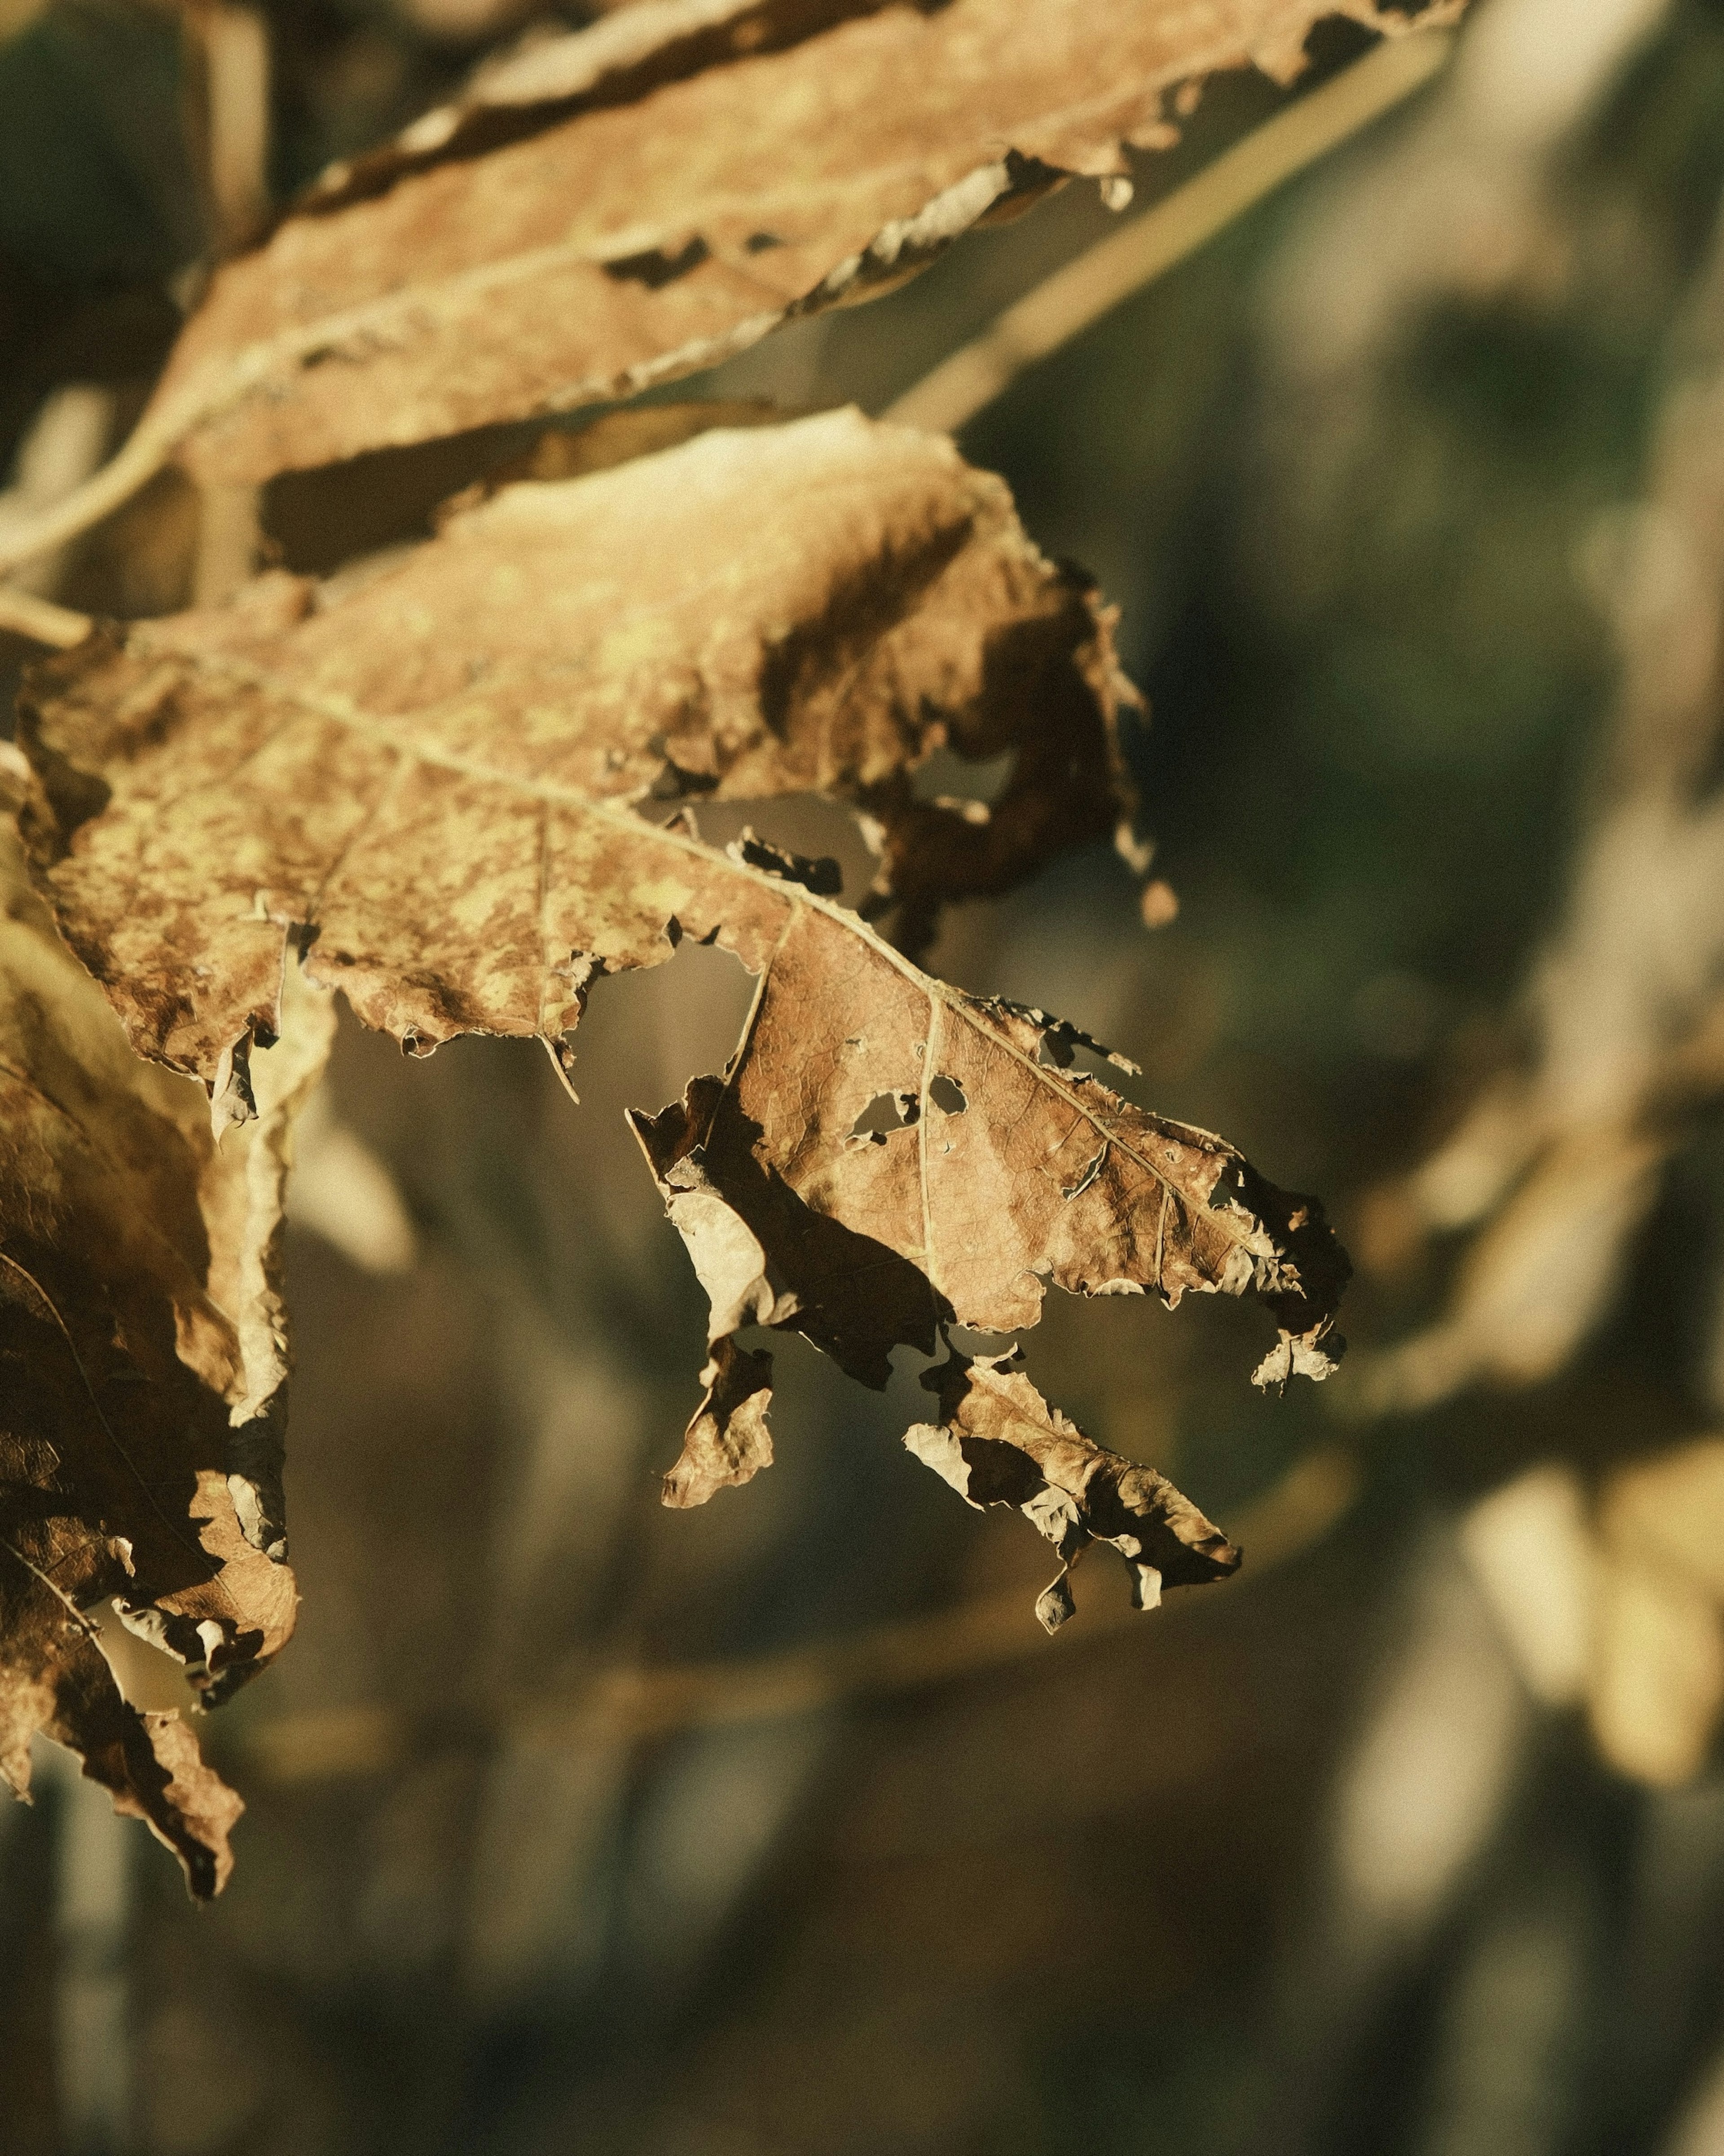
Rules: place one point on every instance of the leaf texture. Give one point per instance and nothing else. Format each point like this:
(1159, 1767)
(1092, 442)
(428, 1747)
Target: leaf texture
(639, 200)
(143, 1352)
(433, 772)
(431, 784)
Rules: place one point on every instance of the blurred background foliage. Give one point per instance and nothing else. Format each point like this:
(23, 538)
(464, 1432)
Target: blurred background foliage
(778, 1827)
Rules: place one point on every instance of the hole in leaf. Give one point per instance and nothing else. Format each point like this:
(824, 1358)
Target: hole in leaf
(152, 1679)
(885, 1112)
(655, 268)
(947, 1094)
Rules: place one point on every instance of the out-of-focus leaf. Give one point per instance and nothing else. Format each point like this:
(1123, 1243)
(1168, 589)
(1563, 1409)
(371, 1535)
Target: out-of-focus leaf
(142, 1344)
(1617, 1602)
(639, 200)
(429, 785)
(1559, 1163)
(1657, 1686)
(1540, 1276)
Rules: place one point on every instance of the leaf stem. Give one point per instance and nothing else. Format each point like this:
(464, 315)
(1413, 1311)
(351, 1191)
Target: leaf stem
(629, 1702)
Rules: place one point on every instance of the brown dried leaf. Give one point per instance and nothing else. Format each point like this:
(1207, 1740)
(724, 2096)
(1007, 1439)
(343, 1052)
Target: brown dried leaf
(728, 1441)
(885, 1156)
(1001, 1171)
(997, 1442)
(432, 769)
(637, 201)
(426, 786)
(142, 1337)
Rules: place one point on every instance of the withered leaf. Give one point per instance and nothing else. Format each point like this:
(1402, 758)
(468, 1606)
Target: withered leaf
(1002, 1171)
(431, 771)
(728, 1441)
(143, 1355)
(635, 202)
(427, 785)
(997, 1442)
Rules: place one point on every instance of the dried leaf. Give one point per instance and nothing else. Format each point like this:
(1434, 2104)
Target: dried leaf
(997, 1442)
(431, 771)
(998, 1173)
(141, 1336)
(728, 1441)
(426, 786)
(637, 201)
(1002, 1172)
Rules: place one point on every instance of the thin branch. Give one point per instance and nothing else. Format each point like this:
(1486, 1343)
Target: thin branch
(1069, 301)
(22, 613)
(630, 1702)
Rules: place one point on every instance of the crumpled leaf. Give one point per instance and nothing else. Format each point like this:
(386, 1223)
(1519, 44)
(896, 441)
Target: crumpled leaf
(142, 1343)
(997, 1442)
(637, 201)
(1004, 1172)
(431, 771)
(428, 786)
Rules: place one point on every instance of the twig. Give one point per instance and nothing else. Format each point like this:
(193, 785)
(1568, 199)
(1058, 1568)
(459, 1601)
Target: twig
(625, 1703)
(1066, 303)
(234, 45)
(22, 613)
(147, 450)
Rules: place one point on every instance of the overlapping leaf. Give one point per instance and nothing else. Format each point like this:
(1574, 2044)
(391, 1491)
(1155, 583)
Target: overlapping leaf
(142, 1363)
(635, 202)
(432, 784)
